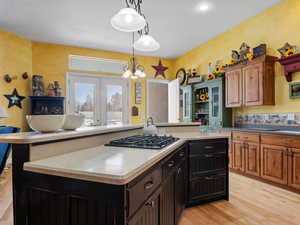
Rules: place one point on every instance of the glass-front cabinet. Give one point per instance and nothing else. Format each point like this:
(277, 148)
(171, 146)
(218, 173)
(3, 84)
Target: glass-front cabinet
(208, 104)
(187, 103)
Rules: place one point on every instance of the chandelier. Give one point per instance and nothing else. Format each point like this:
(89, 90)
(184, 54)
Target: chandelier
(131, 19)
(134, 70)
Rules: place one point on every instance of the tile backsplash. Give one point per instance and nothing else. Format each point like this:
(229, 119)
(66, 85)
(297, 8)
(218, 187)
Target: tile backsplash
(280, 119)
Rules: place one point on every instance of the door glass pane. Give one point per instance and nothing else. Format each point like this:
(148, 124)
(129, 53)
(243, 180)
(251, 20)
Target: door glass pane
(114, 112)
(85, 101)
(187, 104)
(215, 101)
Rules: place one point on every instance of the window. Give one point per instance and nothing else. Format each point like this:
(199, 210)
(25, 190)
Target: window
(104, 100)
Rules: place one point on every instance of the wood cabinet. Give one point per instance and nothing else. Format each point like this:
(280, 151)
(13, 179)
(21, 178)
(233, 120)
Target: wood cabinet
(274, 163)
(238, 155)
(294, 168)
(180, 191)
(149, 214)
(233, 88)
(251, 84)
(167, 202)
(252, 158)
(208, 171)
(272, 157)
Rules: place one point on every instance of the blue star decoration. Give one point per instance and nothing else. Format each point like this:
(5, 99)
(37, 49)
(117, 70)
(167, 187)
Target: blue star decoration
(15, 99)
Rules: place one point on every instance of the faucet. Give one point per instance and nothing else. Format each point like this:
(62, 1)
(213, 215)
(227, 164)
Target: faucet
(150, 121)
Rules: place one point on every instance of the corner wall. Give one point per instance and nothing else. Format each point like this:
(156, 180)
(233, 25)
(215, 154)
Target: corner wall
(275, 27)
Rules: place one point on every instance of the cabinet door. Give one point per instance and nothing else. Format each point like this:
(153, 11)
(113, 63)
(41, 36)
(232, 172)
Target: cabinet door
(294, 169)
(187, 104)
(238, 151)
(230, 155)
(207, 187)
(180, 192)
(253, 84)
(252, 159)
(167, 202)
(233, 88)
(149, 213)
(274, 163)
(215, 107)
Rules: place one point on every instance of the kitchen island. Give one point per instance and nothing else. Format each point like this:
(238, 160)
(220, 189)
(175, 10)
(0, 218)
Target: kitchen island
(81, 181)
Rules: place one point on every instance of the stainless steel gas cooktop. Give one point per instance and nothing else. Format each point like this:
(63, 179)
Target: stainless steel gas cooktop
(144, 141)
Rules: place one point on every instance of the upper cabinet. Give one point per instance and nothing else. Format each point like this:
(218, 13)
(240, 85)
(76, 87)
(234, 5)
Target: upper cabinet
(251, 83)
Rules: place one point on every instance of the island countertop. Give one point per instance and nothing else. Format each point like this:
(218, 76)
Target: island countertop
(112, 165)
(36, 137)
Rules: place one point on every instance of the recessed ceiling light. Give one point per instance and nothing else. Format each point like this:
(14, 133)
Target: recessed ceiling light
(204, 6)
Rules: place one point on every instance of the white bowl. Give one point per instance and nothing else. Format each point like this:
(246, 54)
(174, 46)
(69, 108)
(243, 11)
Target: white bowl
(45, 123)
(73, 121)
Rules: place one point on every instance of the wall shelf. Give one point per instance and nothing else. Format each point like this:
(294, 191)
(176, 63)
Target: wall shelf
(291, 65)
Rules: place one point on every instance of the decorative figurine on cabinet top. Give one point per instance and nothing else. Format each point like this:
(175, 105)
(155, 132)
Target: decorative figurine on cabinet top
(57, 89)
(50, 90)
(38, 86)
(244, 50)
(287, 50)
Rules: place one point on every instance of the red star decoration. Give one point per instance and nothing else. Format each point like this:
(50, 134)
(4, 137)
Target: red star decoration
(160, 69)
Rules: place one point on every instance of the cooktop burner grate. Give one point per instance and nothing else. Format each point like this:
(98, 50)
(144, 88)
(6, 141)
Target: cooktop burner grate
(144, 141)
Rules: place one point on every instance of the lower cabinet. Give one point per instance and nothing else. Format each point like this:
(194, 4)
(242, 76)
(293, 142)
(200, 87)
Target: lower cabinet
(208, 187)
(238, 155)
(252, 156)
(208, 171)
(180, 191)
(167, 202)
(149, 214)
(274, 162)
(294, 168)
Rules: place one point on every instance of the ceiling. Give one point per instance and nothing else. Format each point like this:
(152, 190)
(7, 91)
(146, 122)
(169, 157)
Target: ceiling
(175, 24)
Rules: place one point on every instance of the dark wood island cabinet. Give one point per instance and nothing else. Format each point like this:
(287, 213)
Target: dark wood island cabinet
(196, 172)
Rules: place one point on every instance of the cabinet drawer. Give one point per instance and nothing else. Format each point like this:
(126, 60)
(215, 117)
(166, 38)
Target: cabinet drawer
(174, 161)
(207, 187)
(280, 140)
(140, 191)
(208, 147)
(207, 163)
(244, 136)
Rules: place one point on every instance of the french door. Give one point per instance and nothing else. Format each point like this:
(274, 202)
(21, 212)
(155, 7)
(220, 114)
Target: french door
(103, 100)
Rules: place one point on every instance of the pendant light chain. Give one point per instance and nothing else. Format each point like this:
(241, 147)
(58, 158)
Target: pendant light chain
(136, 4)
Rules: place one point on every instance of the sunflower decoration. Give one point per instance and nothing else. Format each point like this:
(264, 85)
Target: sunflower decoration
(287, 50)
(250, 56)
(211, 76)
(232, 62)
(202, 97)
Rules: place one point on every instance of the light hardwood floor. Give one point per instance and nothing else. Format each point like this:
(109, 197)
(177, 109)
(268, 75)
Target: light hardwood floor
(251, 203)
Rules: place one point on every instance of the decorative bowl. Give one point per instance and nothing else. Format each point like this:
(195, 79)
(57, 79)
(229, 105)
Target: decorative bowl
(45, 123)
(73, 121)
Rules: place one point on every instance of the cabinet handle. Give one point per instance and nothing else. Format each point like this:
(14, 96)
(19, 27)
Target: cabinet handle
(209, 178)
(179, 171)
(181, 154)
(171, 164)
(208, 147)
(149, 185)
(208, 156)
(150, 204)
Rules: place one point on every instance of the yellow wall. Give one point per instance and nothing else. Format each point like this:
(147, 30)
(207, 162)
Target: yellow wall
(51, 61)
(274, 27)
(15, 59)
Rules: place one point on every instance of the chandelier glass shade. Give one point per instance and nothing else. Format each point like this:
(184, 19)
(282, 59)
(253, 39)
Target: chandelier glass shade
(133, 70)
(146, 43)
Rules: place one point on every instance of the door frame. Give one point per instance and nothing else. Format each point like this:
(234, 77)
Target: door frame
(78, 74)
(148, 81)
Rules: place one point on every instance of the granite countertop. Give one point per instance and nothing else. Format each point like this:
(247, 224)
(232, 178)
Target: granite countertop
(36, 137)
(113, 165)
(278, 131)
